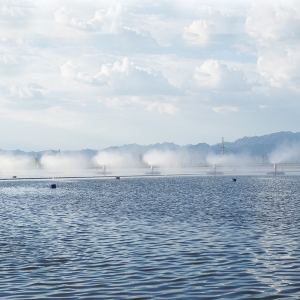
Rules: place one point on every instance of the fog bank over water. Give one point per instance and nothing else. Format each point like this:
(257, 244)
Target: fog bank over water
(63, 162)
(12, 162)
(105, 158)
(280, 148)
(228, 160)
(285, 154)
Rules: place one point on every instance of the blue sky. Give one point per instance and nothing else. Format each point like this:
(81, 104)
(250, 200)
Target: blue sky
(92, 74)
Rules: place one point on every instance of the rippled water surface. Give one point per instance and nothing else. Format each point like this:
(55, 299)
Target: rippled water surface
(145, 238)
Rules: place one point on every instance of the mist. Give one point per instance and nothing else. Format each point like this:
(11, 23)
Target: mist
(162, 158)
(10, 163)
(228, 160)
(285, 154)
(61, 162)
(104, 158)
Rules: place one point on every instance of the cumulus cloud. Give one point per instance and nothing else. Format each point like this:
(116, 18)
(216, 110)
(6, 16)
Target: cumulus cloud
(108, 21)
(200, 32)
(197, 34)
(14, 11)
(104, 21)
(70, 71)
(164, 106)
(214, 75)
(15, 93)
(274, 27)
(63, 17)
(146, 56)
(122, 77)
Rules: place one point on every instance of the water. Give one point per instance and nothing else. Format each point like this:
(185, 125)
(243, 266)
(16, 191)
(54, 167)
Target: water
(145, 238)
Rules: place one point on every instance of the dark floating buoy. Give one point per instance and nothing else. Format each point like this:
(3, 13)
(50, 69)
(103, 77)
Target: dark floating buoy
(52, 186)
(233, 179)
(117, 177)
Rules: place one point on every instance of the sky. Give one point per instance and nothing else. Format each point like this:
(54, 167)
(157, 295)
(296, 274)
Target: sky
(93, 74)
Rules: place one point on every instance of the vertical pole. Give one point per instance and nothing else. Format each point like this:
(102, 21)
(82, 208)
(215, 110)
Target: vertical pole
(223, 146)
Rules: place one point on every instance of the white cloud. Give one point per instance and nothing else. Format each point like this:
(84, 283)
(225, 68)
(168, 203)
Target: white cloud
(109, 21)
(14, 93)
(143, 58)
(104, 21)
(274, 27)
(214, 75)
(150, 104)
(197, 34)
(121, 78)
(8, 59)
(225, 109)
(162, 108)
(115, 102)
(12, 11)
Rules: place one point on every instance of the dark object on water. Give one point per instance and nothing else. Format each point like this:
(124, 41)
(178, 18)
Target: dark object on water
(14, 177)
(233, 179)
(52, 186)
(117, 177)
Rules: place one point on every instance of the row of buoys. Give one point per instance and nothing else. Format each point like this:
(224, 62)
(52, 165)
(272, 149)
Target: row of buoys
(54, 186)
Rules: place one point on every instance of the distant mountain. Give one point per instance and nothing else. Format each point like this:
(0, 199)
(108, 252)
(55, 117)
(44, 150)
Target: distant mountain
(257, 148)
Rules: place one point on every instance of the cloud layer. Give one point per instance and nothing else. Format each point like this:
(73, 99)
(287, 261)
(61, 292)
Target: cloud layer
(124, 71)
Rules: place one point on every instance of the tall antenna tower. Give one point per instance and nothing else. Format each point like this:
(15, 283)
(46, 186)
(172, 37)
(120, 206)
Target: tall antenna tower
(223, 146)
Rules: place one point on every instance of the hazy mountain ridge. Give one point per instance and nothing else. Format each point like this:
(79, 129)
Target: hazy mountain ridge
(256, 147)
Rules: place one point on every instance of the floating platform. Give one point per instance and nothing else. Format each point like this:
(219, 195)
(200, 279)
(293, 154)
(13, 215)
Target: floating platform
(277, 173)
(214, 173)
(152, 173)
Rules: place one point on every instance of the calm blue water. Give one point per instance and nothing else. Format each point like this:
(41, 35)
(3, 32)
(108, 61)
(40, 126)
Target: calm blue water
(145, 238)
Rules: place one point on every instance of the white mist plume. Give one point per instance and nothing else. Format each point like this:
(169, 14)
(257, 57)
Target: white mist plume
(285, 154)
(227, 160)
(61, 162)
(10, 162)
(104, 158)
(162, 158)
